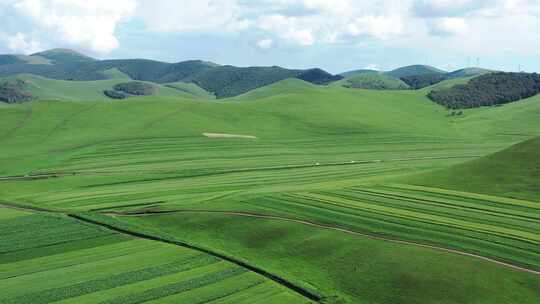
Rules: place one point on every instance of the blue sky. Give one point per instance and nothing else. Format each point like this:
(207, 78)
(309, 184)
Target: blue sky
(336, 35)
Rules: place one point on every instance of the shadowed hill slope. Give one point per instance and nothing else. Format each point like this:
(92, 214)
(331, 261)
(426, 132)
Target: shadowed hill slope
(513, 172)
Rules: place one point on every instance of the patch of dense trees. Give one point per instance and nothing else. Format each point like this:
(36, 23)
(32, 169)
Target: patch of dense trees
(114, 94)
(136, 88)
(425, 80)
(13, 91)
(318, 76)
(375, 82)
(488, 90)
(226, 81)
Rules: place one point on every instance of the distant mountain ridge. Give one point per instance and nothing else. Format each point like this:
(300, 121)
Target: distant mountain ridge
(414, 70)
(222, 80)
(412, 77)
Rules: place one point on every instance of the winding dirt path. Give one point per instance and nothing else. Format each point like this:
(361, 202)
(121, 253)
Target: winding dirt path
(327, 227)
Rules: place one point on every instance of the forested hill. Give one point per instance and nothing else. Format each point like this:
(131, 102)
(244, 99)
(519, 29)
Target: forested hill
(488, 90)
(223, 81)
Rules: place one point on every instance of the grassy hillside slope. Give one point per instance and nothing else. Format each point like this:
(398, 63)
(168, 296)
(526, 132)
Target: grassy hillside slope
(222, 80)
(513, 172)
(319, 154)
(63, 56)
(51, 89)
(413, 70)
(63, 260)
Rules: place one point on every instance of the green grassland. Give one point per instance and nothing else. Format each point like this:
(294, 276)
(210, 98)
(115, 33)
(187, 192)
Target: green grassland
(191, 88)
(346, 267)
(64, 261)
(51, 89)
(328, 169)
(509, 173)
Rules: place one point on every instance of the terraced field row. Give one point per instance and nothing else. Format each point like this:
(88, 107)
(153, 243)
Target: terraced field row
(344, 267)
(86, 192)
(65, 261)
(500, 228)
(179, 170)
(188, 153)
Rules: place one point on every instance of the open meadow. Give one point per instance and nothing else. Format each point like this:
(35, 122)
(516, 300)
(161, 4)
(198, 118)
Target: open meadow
(307, 194)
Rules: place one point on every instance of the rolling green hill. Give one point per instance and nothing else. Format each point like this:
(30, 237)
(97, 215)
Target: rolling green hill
(468, 72)
(414, 70)
(488, 90)
(314, 186)
(513, 172)
(23, 59)
(373, 81)
(191, 88)
(63, 56)
(43, 88)
(222, 81)
(358, 72)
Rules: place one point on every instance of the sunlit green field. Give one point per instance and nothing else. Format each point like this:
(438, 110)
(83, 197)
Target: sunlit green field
(350, 194)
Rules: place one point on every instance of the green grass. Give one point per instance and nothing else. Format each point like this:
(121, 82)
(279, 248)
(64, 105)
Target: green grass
(350, 268)
(115, 269)
(325, 154)
(191, 88)
(513, 172)
(51, 89)
(115, 73)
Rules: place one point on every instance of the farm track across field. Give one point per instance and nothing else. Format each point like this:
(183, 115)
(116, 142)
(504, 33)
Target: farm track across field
(328, 227)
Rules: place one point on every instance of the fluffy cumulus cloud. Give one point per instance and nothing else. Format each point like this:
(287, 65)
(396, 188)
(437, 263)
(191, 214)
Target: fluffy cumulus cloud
(271, 24)
(319, 21)
(448, 26)
(88, 25)
(186, 16)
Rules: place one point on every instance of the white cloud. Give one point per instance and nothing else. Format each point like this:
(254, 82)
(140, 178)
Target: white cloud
(449, 26)
(292, 29)
(380, 27)
(20, 43)
(265, 44)
(184, 16)
(90, 25)
(77, 23)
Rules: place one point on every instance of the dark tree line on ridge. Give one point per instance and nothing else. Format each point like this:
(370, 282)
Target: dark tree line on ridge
(488, 90)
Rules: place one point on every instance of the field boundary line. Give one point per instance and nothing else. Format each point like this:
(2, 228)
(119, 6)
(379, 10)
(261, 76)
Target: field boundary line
(328, 227)
(311, 295)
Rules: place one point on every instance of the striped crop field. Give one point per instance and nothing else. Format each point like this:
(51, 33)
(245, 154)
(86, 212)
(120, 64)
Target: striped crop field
(65, 261)
(501, 228)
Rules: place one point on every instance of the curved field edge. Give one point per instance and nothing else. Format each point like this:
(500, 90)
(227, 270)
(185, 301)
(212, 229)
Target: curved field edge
(512, 264)
(134, 230)
(65, 244)
(345, 266)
